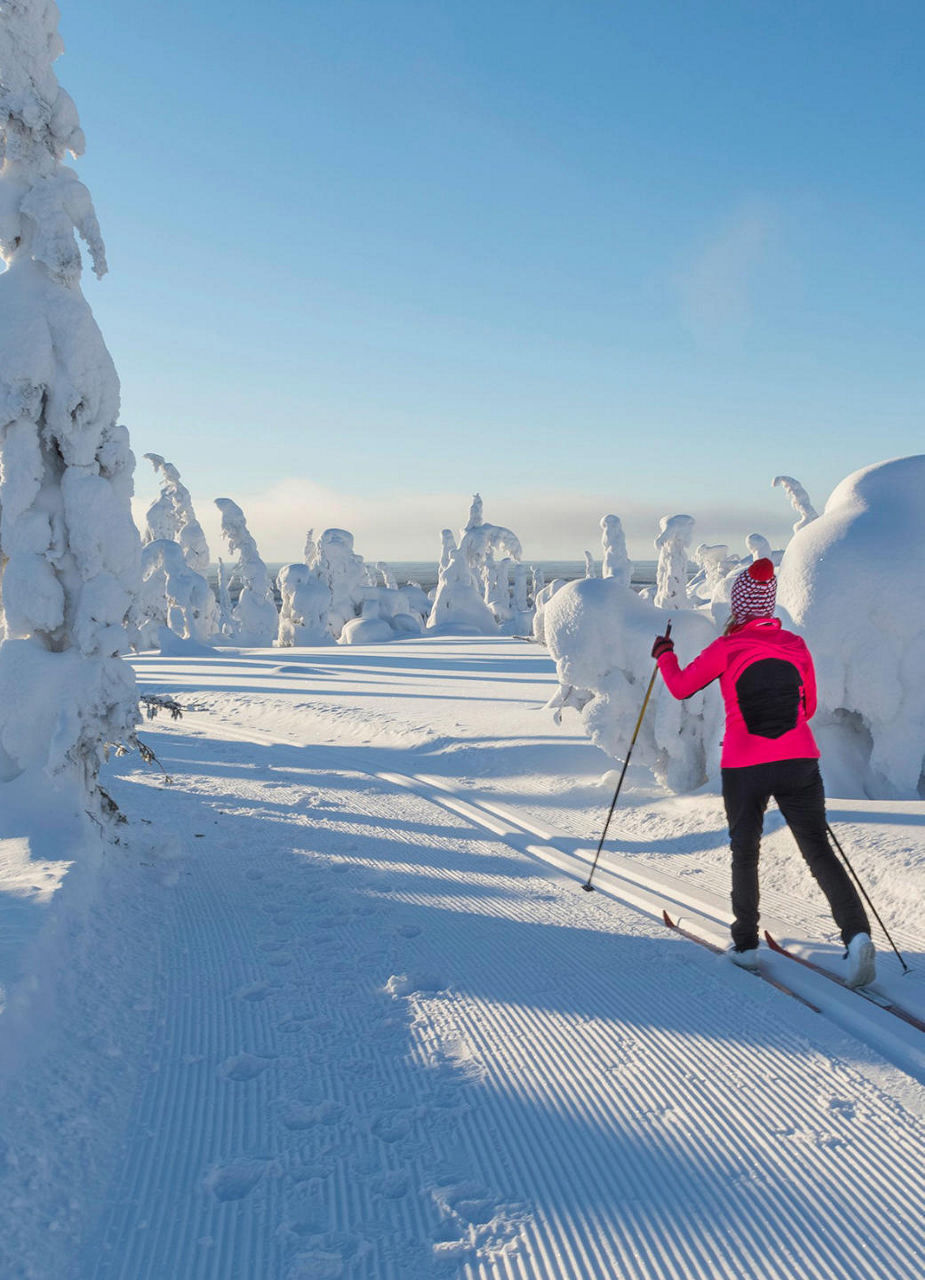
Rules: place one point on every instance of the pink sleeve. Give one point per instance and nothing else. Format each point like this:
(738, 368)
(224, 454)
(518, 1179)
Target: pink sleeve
(702, 671)
(809, 685)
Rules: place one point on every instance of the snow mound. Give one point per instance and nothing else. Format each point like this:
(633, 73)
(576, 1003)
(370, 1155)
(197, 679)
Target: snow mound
(853, 581)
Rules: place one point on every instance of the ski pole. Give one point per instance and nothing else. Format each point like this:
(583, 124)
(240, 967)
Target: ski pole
(588, 886)
(857, 881)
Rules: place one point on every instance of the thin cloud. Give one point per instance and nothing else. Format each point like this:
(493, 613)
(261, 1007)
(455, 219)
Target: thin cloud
(717, 291)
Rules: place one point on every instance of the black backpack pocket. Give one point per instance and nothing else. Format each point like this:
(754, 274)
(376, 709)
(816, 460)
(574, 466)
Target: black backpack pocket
(768, 693)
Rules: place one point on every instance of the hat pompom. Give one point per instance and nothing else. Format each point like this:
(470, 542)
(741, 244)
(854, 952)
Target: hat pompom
(762, 570)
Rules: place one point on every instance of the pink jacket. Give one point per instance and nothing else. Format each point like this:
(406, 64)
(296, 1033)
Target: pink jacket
(768, 685)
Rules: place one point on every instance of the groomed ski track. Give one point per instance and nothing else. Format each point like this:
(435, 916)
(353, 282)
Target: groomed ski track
(388, 1043)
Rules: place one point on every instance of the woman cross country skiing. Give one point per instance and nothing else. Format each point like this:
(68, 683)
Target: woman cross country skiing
(768, 685)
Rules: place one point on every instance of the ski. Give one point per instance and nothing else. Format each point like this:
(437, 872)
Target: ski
(677, 927)
(882, 1002)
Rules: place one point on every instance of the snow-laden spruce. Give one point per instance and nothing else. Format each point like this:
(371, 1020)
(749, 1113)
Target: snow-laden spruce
(70, 550)
(600, 634)
(674, 538)
(458, 604)
(305, 606)
(255, 621)
(853, 581)
(172, 516)
(174, 598)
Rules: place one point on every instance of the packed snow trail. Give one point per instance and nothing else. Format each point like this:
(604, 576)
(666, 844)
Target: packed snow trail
(368, 1039)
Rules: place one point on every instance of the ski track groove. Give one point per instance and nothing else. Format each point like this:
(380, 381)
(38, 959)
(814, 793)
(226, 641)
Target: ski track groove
(584, 1222)
(780, 1061)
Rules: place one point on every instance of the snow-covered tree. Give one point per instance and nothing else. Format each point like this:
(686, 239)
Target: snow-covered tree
(458, 603)
(799, 500)
(173, 511)
(174, 596)
(448, 546)
(310, 555)
(480, 542)
(70, 550)
(590, 566)
(306, 601)
(345, 574)
(255, 618)
(671, 572)
(615, 562)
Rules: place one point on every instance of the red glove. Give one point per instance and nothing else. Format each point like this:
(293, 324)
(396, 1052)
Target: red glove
(663, 644)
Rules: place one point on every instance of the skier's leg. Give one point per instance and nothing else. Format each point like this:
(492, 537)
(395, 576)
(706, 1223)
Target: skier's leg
(745, 795)
(801, 799)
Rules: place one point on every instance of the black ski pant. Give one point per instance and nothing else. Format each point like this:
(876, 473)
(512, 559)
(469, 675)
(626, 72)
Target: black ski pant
(796, 785)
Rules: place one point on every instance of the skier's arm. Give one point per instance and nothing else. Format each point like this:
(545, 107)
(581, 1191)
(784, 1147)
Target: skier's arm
(809, 686)
(702, 671)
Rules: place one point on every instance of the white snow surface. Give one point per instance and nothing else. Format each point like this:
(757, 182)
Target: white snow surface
(853, 582)
(337, 1006)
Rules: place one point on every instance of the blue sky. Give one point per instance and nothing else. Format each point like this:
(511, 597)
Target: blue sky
(368, 256)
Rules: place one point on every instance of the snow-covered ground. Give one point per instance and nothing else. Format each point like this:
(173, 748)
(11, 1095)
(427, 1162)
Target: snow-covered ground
(338, 1006)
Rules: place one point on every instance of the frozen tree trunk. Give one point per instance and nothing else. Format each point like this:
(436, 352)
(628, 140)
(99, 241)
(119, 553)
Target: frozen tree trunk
(799, 500)
(615, 562)
(671, 573)
(173, 511)
(255, 618)
(71, 550)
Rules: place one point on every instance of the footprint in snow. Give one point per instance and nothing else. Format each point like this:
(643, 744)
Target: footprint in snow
(318, 1264)
(246, 1066)
(235, 1180)
(391, 1185)
(408, 930)
(298, 1115)
(255, 991)
(392, 1126)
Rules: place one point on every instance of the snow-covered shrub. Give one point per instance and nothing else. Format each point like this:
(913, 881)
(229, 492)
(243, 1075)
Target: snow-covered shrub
(306, 601)
(345, 575)
(419, 604)
(174, 596)
(799, 499)
(254, 617)
(671, 572)
(172, 516)
(70, 550)
(615, 563)
(458, 604)
(853, 581)
(600, 634)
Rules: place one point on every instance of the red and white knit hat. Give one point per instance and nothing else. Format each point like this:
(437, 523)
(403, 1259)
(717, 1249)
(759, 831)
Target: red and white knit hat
(754, 592)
